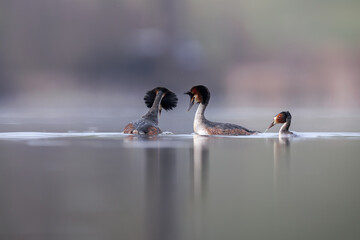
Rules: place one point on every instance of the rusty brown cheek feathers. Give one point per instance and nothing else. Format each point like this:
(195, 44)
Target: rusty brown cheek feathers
(280, 118)
(196, 94)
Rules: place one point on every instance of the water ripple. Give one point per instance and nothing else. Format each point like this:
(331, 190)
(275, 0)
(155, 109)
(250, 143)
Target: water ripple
(119, 135)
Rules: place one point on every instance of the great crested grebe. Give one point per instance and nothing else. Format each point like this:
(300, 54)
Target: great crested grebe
(285, 118)
(157, 99)
(200, 94)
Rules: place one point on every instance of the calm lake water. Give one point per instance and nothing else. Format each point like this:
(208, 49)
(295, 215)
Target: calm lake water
(106, 185)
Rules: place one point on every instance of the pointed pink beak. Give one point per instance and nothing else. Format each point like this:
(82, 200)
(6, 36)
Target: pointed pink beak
(191, 104)
(270, 126)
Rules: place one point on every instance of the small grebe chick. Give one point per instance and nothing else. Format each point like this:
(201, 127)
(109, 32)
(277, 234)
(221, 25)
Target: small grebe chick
(201, 94)
(157, 99)
(285, 118)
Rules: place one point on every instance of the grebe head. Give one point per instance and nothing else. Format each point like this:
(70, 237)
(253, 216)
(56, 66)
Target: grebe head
(168, 101)
(280, 118)
(198, 94)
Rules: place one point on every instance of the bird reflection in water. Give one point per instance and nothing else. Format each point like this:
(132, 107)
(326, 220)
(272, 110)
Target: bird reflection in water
(200, 166)
(199, 169)
(174, 191)
(161, 186)
(281, 177)
(140, 138)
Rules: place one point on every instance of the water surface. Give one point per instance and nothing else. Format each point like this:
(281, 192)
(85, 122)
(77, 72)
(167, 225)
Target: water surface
(111, 185)
(107, 185)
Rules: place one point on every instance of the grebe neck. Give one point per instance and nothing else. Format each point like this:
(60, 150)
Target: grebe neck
(285, 127)
(153, 113)
(199, 115)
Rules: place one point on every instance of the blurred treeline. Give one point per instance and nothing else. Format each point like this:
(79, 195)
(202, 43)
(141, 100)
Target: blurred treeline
(251, 53)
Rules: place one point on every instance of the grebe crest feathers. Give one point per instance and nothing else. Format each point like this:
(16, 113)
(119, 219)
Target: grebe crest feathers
(168, 102)
(200, 94)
